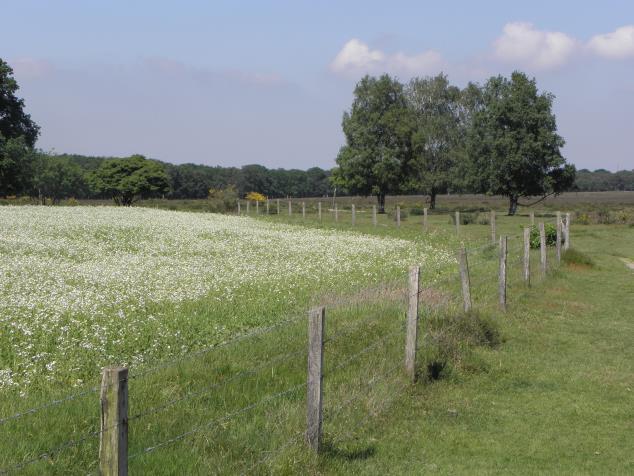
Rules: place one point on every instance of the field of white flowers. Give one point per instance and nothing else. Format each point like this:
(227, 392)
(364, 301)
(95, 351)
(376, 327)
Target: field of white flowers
(84, 287)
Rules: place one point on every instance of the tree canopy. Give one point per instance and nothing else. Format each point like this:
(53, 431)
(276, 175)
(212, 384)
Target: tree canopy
(514, 148)
(378, 130)
(14, 122)
(437, 140)
(127, 180)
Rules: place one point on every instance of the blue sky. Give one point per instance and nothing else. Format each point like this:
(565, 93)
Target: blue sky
(232, 83)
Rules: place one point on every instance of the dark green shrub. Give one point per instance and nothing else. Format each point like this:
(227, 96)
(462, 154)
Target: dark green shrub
(392, 214)
(465, 218)
(551, 235)
(416, 211)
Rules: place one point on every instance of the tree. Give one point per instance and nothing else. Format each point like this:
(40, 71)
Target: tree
(514, 148)
(16, 166)
(56, 177)
(378, 132)
(14, 122)
(18, 134)
(127, 180)
(438, 139)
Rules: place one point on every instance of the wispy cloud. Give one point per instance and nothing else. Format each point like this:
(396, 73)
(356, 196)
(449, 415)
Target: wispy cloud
(356, 57)
(31, 68)
(168, 66)
(618, 44)
(523, 44)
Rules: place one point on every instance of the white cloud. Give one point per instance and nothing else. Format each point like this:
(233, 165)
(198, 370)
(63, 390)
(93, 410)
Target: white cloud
(618, 44)
(522, 43)
(356, 57)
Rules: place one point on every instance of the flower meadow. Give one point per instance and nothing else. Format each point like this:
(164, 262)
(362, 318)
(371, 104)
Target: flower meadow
(85, 287)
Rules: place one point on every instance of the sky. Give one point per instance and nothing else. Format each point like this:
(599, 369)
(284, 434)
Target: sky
(237, 82)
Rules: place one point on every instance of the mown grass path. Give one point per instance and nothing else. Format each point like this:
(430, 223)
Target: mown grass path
(557, 397)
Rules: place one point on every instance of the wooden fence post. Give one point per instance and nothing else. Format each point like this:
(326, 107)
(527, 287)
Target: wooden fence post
(567, 232)
(502, 271)
(527, 255)
(425, 218)
(542, 247)
(558, 244)
(412, 322)
(458, 223)
(316, 322)
(374, 215)
(532, 218)
(336, 213)
(290, 208)
(464, 278)
(492, 220)
(303, 209)
(113, 441)
(257, 207)
(278, 206)
(248, 206)
(398, 216)
(319, 210)
(354, 215)
(267, 206)
(239, 212)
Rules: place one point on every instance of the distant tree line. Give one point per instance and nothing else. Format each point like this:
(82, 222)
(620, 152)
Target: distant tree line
(602, 180)
(425, 137)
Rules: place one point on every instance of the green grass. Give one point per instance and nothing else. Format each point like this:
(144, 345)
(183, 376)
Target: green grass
(545, 387)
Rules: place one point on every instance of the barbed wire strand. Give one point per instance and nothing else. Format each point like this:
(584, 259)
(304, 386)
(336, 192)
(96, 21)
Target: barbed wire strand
(206, 390)
(49, 404)
(215, 422)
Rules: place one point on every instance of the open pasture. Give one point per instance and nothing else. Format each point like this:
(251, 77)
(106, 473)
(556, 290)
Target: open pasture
(86, 287)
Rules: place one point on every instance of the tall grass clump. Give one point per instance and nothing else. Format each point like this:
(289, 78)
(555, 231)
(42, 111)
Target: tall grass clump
(450, 343)
(573, 257)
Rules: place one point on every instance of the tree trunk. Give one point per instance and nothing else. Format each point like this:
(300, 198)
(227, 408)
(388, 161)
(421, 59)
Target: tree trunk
(381, 199)
(432, 199)
(513, 199)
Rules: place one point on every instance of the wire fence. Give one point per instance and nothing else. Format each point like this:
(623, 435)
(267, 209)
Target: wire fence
(364, 339)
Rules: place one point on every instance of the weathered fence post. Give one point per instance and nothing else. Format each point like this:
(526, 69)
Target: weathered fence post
(457, 223)
(398, 216)
(527, 255)
(113, 441)
(248, 206)
(267, 206)
(290, 208)
(316, 322)
(303, 209)
(257, 207)
(278, 206)
(542, 247)
(425, 218)
(464, 278)
(492, 220)
(412, 322)
(239, 212)
(502, 276)
(558, 244)
(567, 232)
(336, 213)
(354, 215)
(319, 210)
(532, 218)
(374, 215)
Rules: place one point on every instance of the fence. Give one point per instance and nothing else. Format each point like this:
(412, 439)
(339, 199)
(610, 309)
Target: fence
(368, 355)
(333, 211)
